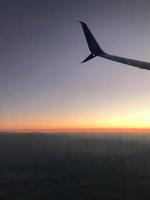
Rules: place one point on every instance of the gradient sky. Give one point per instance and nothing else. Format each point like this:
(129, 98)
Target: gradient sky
(44, 86)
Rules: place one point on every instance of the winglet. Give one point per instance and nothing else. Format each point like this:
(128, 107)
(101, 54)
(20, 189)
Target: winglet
(88, 58)
(93, 45)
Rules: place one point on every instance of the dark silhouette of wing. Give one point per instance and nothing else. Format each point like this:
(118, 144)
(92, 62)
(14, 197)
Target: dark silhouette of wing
(91, 41)
(96, 50)
(88, 58)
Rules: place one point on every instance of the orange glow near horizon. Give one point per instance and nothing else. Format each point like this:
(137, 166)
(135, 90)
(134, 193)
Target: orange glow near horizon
(82, 130)
(134, 122)
(128, 122)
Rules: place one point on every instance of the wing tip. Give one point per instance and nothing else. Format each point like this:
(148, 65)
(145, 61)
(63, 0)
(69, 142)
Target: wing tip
(81, 22)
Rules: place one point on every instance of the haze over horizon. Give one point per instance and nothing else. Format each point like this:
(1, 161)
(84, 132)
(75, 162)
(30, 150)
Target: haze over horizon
(43, 85)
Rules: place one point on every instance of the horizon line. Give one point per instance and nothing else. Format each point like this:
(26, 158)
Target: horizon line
(78, 130)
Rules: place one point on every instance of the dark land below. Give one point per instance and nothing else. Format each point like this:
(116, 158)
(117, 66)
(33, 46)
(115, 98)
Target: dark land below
(76, 166)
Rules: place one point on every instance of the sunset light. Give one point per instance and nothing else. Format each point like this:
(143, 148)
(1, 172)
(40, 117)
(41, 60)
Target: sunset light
(44, 86)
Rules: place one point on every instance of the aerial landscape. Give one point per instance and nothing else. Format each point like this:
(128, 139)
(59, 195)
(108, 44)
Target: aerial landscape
(72, 129)
(77, 166)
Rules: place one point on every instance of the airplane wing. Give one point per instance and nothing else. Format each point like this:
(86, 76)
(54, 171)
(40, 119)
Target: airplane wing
(128, 61)
(96, 50)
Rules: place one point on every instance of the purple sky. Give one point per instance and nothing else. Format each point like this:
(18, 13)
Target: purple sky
(44, 85)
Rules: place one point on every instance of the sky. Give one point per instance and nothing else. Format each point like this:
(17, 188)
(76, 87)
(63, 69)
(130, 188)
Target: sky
(44, 86)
